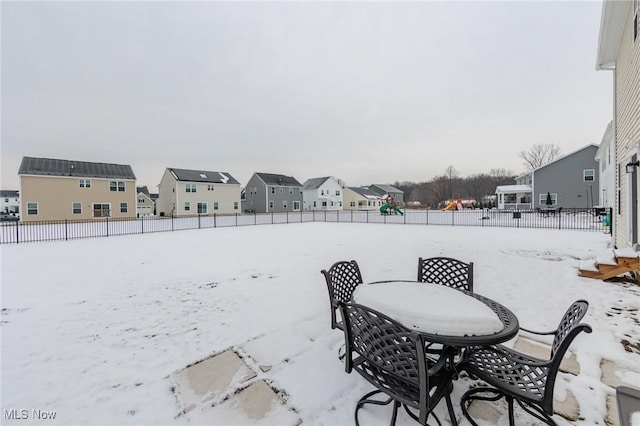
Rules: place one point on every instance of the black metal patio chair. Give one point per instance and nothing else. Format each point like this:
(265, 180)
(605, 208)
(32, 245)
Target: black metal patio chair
(517, 376)
(446, 271)
(391, 358)
(342, 278)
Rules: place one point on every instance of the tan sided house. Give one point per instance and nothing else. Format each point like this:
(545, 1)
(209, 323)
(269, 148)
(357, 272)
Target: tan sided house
(190, 192)
(54, 189)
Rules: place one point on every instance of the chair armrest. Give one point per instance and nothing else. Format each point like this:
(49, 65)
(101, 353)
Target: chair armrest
(542, 333)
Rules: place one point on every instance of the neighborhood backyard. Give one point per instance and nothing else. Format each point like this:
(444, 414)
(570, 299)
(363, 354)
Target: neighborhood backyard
(112, 331)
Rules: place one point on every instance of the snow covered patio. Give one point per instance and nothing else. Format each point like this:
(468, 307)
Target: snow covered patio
(112, 331)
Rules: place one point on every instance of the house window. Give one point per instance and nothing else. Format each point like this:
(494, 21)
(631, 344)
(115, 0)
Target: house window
(76, 208)
(84, 183)
(123, 207)
(209, 187)
(6, 200)
(202, 208)
(314, 204)
(296, 206)
(281, 189)
(215, 205)
(352, 204)
(32, 208)
(542, 199)
(270, 204)
(337, 193)
(116, 186)
(187, 206)
(290, 191)
(273, 189)
(284, 204)
(191, 187)
(324, 204)
(588, 175)
(235, 205)
(101, 210)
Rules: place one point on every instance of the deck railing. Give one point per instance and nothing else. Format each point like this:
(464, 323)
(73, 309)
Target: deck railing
(597, 220)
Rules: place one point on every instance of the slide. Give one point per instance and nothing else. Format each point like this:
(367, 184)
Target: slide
(450, 206)
(385, 209)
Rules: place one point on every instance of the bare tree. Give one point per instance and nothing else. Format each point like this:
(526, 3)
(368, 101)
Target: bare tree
(539, 155)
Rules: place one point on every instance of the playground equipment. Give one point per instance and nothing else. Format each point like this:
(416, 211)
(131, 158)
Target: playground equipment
(458, 203)
(390, 207)
(387, 209)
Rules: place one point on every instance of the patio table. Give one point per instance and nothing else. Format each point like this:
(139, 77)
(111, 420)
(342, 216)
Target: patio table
(440, 313)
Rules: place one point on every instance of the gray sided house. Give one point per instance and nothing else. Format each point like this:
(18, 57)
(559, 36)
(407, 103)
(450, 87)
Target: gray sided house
(571, 181)
(272, 193)
(398, 195)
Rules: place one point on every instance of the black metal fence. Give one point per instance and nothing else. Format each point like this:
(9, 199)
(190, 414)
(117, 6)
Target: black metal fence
(598, 220)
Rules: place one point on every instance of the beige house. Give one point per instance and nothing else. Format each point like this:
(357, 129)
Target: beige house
(619, 52)
(65, 189)
(361, 199)
(190, 192)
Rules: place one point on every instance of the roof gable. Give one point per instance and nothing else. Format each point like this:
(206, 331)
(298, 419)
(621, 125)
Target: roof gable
(185, 175)
(315, 183)
(567, 156)
(55, 167)
(365, 192)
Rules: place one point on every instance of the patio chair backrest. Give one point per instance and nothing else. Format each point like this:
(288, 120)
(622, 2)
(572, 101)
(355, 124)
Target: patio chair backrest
(391, 357)
(342, 278)
(446, 271)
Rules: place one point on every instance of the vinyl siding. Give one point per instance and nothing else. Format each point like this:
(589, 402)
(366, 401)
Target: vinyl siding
(627, 123)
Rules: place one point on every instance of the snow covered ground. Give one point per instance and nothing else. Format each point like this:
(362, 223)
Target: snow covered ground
(95, 330)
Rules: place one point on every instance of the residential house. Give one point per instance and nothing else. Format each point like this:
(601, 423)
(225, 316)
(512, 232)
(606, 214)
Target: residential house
(54, 189)
(619, 52)
(388, 190)
(145, 205)
(605, 156)
(571, 181)
(10, 201)
(323, 193)
(272, 193)
(189, 192)
(361, 199)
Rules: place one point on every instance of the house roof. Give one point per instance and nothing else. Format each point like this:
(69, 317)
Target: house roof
(365, 192)
(9, 193)
(282, 180)
(386, 188)
(315, 183)
(614, 14)
(55, 167)
(513, 189)
(142, 189)
(184, 175)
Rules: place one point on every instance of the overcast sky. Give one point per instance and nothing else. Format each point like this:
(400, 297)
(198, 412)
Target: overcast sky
(366, 92)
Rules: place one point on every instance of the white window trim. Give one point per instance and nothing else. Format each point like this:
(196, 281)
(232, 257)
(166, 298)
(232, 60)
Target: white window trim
(584, 175)
(37, 209)
(73, 208)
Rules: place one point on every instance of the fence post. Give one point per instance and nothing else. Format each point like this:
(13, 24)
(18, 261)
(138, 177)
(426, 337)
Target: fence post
(215, 221)
(17, 231)
(172, 229)
(272, 218)
(367, 216)
(66, 232)
(107, 222)
(287, 216)
(255, 218)
(199, 214)
(142, 224)
(559, 220)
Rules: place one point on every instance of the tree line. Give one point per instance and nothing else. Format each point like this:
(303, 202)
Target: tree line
(441, 188)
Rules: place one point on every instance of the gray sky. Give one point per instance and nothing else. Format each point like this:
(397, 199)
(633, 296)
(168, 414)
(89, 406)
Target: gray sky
(366, 92)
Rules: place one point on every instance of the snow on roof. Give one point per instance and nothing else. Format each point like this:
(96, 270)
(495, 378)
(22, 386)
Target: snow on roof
(513, 188)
